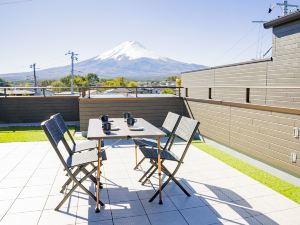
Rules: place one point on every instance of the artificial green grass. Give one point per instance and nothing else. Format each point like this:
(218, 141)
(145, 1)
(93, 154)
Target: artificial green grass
(24, 134)
(289, 190)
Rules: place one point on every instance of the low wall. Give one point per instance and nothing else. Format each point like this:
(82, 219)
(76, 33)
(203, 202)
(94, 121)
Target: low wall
(152, 109)
(263, 132)
(36, 109)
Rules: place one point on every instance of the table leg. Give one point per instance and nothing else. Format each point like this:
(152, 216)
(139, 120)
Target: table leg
(135, 148)
(159, 170)
(97, 210)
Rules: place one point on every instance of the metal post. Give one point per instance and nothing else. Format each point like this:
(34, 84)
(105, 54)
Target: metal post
(44, 92)
(5, 92)
(179, 91)
(136, 92)
(73, 57)
(285, 5)
(34, 76)
(186, 92)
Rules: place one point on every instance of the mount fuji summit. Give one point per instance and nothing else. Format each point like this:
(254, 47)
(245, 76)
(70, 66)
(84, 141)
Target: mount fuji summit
(129, 59)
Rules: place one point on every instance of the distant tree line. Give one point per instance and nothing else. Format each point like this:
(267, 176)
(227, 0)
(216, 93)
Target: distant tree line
(90, 79)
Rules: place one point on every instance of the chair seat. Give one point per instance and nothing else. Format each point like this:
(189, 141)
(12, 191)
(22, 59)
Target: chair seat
(85, 146)
(85, 157)
(151, 153)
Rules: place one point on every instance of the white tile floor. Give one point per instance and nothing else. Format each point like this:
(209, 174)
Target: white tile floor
(31, 177)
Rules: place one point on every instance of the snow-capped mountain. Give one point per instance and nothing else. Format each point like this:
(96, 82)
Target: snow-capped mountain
(129, 59)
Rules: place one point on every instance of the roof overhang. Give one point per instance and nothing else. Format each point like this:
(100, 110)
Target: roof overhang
(283, 20)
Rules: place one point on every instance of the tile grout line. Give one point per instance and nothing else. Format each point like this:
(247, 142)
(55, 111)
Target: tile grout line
(20, 161)
(48, 194)
(25, 184)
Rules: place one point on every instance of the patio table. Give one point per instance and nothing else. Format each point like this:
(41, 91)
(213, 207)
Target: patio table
(95, 132)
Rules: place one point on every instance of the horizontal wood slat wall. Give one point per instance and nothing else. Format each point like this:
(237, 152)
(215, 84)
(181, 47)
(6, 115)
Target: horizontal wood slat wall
(264, 134)
(36, 109)
(153, 110)
(282, 70)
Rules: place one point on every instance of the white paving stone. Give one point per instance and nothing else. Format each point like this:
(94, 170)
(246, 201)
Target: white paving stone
(31, 177)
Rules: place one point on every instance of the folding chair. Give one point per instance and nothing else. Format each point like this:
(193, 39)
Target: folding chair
(169, 126)
(77, 147)
(77, 161)
(185, 130)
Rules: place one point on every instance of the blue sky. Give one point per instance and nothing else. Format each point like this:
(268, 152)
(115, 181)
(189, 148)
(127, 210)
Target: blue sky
(194, 31)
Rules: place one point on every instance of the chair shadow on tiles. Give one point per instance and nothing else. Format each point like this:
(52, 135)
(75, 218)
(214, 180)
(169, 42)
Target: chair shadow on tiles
(231, 199)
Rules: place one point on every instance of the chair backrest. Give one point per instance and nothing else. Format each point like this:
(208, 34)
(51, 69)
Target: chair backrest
(62, 125)
(169, 126)
(55, 136)
(170, 122)
(186, 131)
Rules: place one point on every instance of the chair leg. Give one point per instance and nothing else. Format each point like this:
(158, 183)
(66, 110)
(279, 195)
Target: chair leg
(162, 187)
(150, 175)
(140, 162)
(170, 177)
(166, 171)
(78, 183)
(76, 172)
(146, 173)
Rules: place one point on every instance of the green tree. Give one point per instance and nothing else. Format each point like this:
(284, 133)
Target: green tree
(3, 83)
(168, 91)
(178, 82)
(80, 81)
(132, 84)
(92, 78)
(172, 78)
(120, 82)
(66, 80)
(45, 83)
(57, 86)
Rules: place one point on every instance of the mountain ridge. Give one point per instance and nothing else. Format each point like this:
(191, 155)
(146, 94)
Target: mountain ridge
(129, 59)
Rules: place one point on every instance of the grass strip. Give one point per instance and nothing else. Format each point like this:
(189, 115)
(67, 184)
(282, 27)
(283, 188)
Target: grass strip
(289, 190)
(26, 134)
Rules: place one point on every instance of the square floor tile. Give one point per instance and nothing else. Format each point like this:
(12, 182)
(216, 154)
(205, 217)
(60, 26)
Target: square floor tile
(54, 200)
(185, 202)
(126, 209)
(35, 191)
(63, 217)
(21, 218)
(200, 216)
(28, 204)
(173, 217)
(88, 214)
(9, 193)
(154, 207)
(133, 220)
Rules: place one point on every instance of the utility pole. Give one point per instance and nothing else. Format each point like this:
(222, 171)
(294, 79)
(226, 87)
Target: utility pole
(32, 66)
(286, 6)
(73, 57)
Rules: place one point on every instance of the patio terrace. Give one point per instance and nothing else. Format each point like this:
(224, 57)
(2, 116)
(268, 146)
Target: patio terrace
(31, 176)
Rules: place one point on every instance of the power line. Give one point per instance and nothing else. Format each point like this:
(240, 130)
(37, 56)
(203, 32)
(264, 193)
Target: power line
(249, 46)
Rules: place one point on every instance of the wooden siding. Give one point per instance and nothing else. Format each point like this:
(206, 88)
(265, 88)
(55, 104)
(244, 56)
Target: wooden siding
(263, 128)
(36, 109)
(153, 110)
(263, 134)
(283, 70)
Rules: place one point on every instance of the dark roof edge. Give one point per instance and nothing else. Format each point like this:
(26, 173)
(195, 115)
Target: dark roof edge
(230, 65)
(283, 20)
